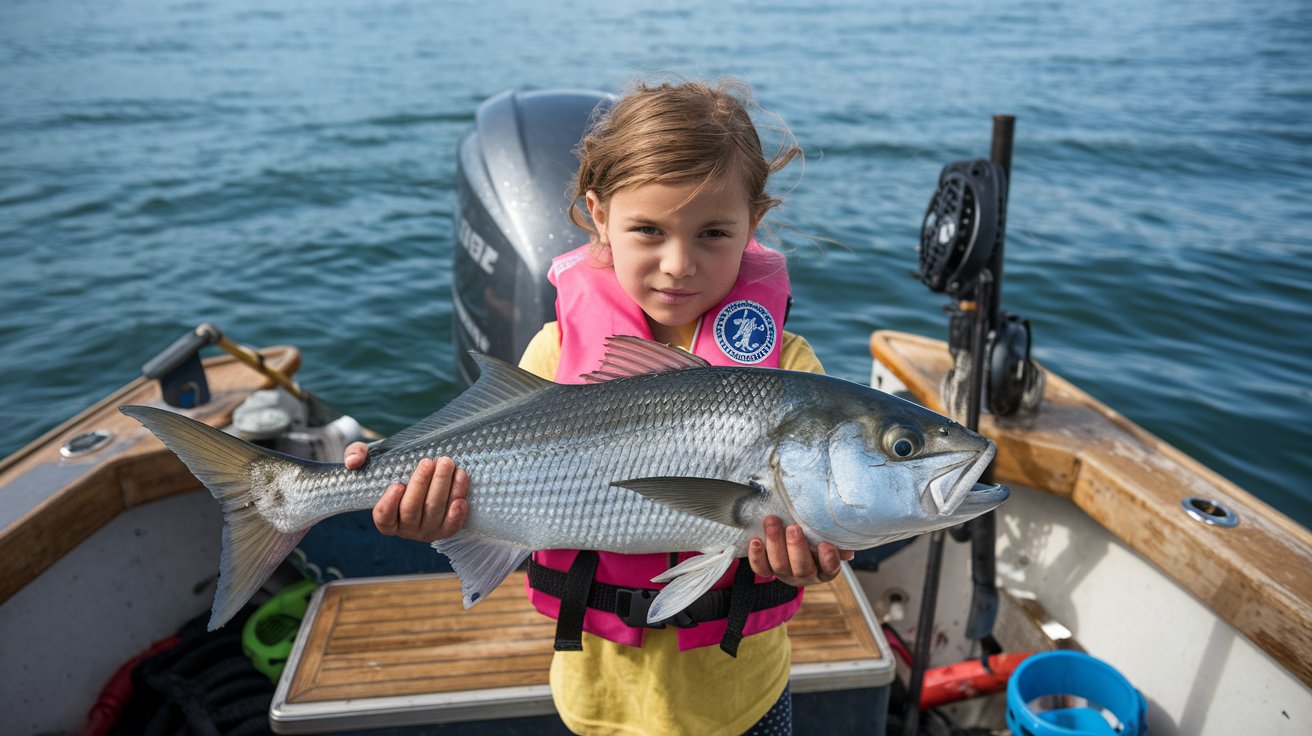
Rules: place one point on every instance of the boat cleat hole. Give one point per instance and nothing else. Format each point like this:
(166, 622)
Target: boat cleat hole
(86, 442)
(1210, 511)
(891, 605)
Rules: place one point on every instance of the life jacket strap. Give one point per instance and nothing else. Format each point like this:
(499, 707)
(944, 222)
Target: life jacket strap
(742, 601)
(577, 586)
(578, 593)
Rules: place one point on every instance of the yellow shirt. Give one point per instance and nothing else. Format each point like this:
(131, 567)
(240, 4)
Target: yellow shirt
(611, 688)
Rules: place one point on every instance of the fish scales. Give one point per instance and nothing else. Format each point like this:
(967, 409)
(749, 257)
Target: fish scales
(530, 474)
(538, 493)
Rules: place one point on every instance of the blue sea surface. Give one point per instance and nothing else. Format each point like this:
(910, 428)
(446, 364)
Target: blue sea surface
(286, 171)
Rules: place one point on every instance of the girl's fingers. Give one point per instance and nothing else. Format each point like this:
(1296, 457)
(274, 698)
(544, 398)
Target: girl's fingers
(412, 503)
(455, 518)
(828, 557)
(436, 495)
(776, 550)
(800, 558)
(457, 507)
(787, 555)
(386, 516)
(757, 559)
(355, 455)
(460, 484)
(429, 507)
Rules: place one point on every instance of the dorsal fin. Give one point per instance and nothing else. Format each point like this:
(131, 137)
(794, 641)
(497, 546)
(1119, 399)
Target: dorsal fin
(628, 356)
(498, 384)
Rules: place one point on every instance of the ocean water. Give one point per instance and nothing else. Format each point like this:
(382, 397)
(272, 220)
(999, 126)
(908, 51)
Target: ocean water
(286, 171)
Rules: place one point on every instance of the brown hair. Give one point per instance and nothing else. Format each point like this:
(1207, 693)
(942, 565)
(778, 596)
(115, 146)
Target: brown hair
(678, 132)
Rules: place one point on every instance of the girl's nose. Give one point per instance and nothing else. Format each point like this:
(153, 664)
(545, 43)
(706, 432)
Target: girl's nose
(676, 260)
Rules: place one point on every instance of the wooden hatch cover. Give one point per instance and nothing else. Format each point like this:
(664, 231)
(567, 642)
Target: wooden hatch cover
(1257, 575)
(383, 652)
(50, 503)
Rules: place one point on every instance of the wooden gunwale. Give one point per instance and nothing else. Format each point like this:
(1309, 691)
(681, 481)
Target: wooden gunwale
(1256, 575)
(133, 468)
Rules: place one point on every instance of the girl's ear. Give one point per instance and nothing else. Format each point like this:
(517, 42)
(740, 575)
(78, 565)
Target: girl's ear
(600, 250)
(751, 234)
(597, 211)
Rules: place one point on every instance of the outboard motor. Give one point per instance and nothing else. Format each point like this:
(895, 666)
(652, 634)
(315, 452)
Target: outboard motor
(513, 179)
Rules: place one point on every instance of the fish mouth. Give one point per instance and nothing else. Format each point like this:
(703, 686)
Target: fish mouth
(955, 482)
(982, 497)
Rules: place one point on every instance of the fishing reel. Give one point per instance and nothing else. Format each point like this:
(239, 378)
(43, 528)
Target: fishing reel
(960, 237)
(962, 226)
(1014, 385)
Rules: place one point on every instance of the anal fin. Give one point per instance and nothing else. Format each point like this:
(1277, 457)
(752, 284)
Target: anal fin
(482, 563)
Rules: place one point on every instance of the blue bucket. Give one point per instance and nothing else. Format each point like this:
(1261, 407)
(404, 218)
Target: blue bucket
(1051, 675)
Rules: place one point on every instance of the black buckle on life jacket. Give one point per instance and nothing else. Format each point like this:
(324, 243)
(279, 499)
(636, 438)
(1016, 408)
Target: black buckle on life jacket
(578, 592)
(633, 604)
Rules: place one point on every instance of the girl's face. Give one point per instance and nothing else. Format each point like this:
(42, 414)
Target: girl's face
(676, 255)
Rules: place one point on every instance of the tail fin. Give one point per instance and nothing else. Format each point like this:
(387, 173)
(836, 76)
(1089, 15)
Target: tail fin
(252, 547)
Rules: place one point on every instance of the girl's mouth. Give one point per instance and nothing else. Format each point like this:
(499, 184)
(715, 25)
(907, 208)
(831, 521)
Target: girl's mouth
(674, 296)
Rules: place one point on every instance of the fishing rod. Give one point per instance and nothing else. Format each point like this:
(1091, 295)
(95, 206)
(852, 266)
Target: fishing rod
(961, 253)
(182, 379)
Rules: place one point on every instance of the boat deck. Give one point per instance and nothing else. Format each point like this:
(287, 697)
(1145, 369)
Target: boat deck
(384, 652)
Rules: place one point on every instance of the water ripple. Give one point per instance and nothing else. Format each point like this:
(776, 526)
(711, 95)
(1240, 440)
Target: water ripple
(288, 172)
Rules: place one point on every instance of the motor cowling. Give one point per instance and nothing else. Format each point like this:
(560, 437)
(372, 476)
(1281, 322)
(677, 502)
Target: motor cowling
(514, 173)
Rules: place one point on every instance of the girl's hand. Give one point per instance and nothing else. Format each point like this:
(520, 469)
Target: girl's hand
(430, 507)
(787, 555)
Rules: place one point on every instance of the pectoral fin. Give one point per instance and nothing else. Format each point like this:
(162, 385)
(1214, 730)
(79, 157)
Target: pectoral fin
(710, 498)
(481, 562)
(688, 580)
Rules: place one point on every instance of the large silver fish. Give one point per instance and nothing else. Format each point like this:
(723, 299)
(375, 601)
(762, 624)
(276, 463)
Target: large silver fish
(662, 452)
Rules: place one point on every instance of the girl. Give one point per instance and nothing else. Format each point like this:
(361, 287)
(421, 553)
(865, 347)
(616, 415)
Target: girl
(673, 180)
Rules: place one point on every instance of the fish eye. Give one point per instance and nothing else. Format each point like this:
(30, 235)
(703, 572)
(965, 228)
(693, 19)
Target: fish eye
(903, 443)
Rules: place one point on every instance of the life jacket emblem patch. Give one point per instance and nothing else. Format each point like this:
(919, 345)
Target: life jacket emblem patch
(745, 331)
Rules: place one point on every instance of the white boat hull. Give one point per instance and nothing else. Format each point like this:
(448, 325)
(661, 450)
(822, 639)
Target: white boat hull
(1199, 674)
(133, 582)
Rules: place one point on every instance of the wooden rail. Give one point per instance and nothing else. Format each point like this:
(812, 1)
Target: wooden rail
(1256, 575)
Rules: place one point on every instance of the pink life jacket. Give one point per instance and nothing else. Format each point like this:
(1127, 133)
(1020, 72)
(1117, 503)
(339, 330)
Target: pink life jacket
(746, 328)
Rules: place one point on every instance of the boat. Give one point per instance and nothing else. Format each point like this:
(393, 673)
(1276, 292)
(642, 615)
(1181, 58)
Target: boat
(1113, 543)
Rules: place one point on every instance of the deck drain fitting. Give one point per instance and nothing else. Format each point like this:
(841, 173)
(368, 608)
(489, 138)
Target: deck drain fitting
(1209, 511)
(86, 442)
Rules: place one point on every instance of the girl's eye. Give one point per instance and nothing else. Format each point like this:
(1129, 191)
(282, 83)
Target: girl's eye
(715, 234)
(646, 230)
